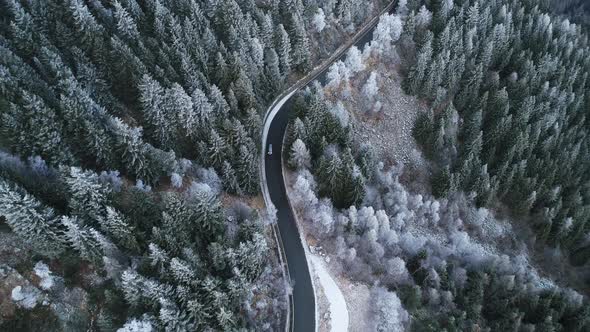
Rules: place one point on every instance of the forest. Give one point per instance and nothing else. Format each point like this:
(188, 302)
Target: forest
(130, 142)
(505, 138)
(130, 137)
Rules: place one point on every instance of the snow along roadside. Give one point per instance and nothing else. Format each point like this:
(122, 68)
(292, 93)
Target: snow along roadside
(338, 311)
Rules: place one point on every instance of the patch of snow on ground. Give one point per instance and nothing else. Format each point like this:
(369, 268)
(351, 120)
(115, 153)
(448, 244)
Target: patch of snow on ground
(338, 311)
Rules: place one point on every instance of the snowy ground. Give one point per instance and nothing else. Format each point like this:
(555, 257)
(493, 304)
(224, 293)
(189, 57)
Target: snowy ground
(338, 312)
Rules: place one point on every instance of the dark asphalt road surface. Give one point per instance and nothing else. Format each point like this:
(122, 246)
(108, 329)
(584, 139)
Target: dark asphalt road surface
(303, 295)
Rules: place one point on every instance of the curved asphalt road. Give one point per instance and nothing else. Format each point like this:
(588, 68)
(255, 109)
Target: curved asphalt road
(303, 299)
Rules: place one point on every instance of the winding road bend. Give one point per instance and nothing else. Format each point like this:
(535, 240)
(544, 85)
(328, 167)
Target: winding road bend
(302, 310)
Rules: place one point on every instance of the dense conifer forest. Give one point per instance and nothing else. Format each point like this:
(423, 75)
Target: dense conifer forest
(130, 156)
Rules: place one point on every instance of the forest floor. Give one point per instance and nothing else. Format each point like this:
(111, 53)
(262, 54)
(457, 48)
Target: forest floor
(389, 131)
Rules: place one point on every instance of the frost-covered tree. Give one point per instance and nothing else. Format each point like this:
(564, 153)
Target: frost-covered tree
(90, 244)
(299, 155)
(247, 170)
(177, 101)
(387, 32)
(34, 129)
(371, 87)
(36, 224)
(273, 71)
(115, 225)
(319, 20)
(389, 313)
(354, 60)
(88, 196)
(283, 45)
(424, 17)
(176, 180)
(230, 179)
(135, 325)
(303, 192)
(300, 54)
(151, 98)
(203, 110)
(125, 24)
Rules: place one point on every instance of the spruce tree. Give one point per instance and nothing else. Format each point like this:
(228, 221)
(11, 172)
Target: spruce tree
(85, 240)
(299, 155)
(115, 225)
(217, 150)
(301, 53)
(230, 179)
(88, 197)
(36, 224)
(35, 130)
(125, 24)
(248, 170)
(159, 124)
(283, 46)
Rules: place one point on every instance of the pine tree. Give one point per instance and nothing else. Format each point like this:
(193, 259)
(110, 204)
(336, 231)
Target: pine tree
(218, 102)
(296, 131)
(125, 24)
(181, 271)
(36, 224)
(367, 161)
(343, 11)
(272, 72)
(253, 124)
(133, 151)
(34, 129)
(416, 76)
(160, 125)
(116, 226)
(230, 179)
(207, 211)
(85, 23)
(178, 102)
(132, 286)
(222, 74)
(85, 240)
(352, 183)
(88, 197)
(248, 170)
(283, 46)
(301, 54)
(299, 155)
(250, 256)
(217, 150)
(158, 258)
(203, 110)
